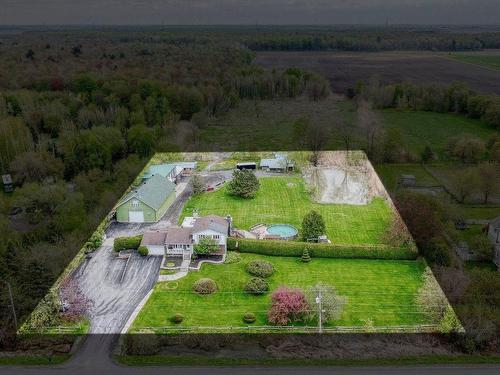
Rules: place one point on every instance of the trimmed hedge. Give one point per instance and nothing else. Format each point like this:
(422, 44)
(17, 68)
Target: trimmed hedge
(321, 250)
(127, 243)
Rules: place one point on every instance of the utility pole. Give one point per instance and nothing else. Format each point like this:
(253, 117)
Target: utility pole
(320, 311)
(12, 304)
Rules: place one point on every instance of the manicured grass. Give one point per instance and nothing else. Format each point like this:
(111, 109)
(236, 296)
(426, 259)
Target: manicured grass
(490, 61)
(383, 291)
(420, 129)
(285, 200)
(391, 173)
(160, 360)
(34, 360)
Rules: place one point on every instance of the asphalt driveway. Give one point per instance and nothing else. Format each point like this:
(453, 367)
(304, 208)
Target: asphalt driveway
(116, 286)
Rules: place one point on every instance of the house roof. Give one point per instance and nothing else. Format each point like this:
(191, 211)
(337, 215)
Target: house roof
(153, 238)
(167, 168)
(178, 235)
(273, 163)
(153, 192)
(212, 222)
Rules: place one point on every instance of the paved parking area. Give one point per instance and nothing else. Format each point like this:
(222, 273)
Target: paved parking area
(116, 286)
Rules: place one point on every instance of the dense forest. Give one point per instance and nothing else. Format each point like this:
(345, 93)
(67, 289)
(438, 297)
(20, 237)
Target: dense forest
(78, 121)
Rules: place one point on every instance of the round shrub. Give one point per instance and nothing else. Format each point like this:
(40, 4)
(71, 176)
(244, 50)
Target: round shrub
(205, 286)
(232, 257)
(260, 268)
(143, 250)
(256, 285)
(176, 318)
(249, 317)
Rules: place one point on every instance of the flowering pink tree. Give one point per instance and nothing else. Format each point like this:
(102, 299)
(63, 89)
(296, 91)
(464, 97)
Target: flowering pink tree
(288, 305)
(74, 302)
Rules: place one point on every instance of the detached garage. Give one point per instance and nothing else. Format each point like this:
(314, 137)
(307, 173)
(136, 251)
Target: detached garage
(148, 203)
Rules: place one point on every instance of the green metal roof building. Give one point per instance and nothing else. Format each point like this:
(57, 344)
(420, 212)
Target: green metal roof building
(147, 203)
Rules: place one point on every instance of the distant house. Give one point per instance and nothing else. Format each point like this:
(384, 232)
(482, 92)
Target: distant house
(180, 241)
(8, 185)
(494, 236)
(171, 171)
(147, 203)
(277, 164)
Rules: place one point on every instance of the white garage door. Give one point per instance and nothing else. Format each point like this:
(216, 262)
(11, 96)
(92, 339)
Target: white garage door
(156, 250)
(136, 216)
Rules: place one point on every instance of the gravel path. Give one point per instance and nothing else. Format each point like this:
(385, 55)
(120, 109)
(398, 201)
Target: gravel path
(115, 286)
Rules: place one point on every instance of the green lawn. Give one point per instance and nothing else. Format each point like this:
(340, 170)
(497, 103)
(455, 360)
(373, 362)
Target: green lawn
(383, 291)
(390, 174)
(420, 129)
(285, 200)
(490, 61)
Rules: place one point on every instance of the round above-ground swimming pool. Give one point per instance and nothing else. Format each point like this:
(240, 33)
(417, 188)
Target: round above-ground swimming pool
(285, 231)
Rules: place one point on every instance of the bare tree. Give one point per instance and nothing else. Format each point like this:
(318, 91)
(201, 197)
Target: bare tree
(487, 180)
(369, 122)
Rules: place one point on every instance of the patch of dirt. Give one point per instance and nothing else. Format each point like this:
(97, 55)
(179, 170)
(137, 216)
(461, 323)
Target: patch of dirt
(344, 69)
(341, 178)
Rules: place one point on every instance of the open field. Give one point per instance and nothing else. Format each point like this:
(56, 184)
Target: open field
(344, 69)
(490, 61)
(420, 129)
(383, 291)
(285, 200)
(391, 173)
(268, 124)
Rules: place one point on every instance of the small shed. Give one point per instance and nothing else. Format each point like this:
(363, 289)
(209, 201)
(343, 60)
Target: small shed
(407, 180)
(8, 185)
(246, 165)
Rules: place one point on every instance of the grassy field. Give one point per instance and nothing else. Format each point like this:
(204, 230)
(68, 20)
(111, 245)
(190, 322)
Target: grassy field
(285, 200)
(268, 125)
(420, 129)
(490, 61)
(383, 291)
(390, 174)
(210, 360)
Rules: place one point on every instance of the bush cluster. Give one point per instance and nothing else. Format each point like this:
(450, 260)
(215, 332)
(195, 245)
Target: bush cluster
(143, 250)
(321, 250)
(177, 318)
(249, 318)
(205, 286)
(260, 268)
(127, 243)
(256, 285)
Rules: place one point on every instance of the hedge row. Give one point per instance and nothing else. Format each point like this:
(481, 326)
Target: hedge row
(321, 250)
(127, 243)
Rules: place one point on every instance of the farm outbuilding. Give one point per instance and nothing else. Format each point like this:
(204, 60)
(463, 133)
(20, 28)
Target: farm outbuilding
(147, 203)
(246, 165)
(277, 164)
(172, 171)
(8, 185)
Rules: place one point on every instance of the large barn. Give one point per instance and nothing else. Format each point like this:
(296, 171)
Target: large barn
(147, 203)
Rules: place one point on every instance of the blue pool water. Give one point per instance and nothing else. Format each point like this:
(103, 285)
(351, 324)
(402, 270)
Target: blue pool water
(283, 230)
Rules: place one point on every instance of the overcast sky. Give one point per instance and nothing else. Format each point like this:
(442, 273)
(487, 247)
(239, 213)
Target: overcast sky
(128, 12)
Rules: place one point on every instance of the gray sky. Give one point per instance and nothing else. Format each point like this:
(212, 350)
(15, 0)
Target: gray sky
(129, 12)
